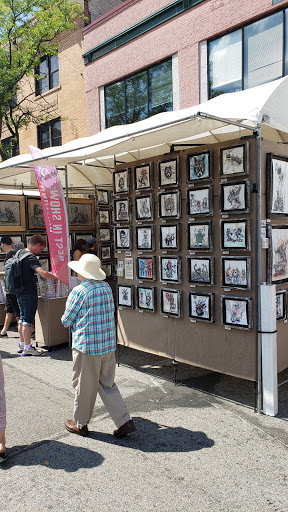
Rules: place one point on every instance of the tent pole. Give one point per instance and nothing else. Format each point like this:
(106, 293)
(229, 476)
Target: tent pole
(259, 274)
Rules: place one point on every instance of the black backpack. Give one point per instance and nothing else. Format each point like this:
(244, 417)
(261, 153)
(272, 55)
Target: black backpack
(13, 272)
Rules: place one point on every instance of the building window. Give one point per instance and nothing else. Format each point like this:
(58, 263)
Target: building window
(249, 56)
(49, 70)
(49, 134)
(139, 96)
(10, 147)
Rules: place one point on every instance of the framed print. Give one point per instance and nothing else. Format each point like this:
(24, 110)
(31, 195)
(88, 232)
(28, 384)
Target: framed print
(235, 196)
(201, 270)
(145, 240)
(200, 166)
(170, 237)
(104, 216)
(28, 238)
(170, 268)
(169, 205)
(143, 176)
(146, 298)
(102, 196)
(105, 235)
(200, 236)
(108, 269)
(121, 181)
(201, 306)
(281, 308)
(12, 213)
(236, 312)
(106, 252)
(122, 209)
(277, 185)
(234, 160)
(236, 272)
(168, 173)
(123, 238)
(200, 201)
(125, 296)
(235, 235)
(146, 268)
(35, 214)
(278, 254)
(144, 207)
(171, 302)
(84, 236)
(81, 214)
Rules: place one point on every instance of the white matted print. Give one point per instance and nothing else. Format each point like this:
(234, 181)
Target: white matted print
(236, 272)
(123, 238)
(146, 298)
(201, 306)
(278, 254)
(199, 166)
(233, 160)
(169, 237)
(169, 204)
(200, 270)
(168, 172)
(125, 296)
(104, 216)
(102, 196)
(144, 238)
(171, 302)
(122, 210)
(199, 236)
(279, 169)
(281, 299)
(170, 268)
(234, 196)
(143, 176)
(105, 235)
(106, 252)
(200, 201)
(121, 181)
(144, 207)
(235, 235)
(236, 312)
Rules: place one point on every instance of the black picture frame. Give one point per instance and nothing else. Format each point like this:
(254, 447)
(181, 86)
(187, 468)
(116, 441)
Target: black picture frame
(235, 235)
(144, 238)
(236, 272)
(170, 237)
(277, 268)
(170, 269)
(235, 196)
(143, 177)
(144, 208)
(281, 305)
(200, 201)
(200, 236)
(169, 172)
(236, 312)
(169, 204)
(201, 307)
(146, 268)
(276, 184)
(122, 181)
(201, 270)
(106, 252)
(171, 302)
(234, 160)
(105, 235)
(122, 210)
(146, 298)
(200, 166)
(102, 197)
(104, 216)
(123, 238)
(125, 296)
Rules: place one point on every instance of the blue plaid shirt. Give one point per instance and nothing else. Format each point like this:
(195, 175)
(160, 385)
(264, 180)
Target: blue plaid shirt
(90, 314)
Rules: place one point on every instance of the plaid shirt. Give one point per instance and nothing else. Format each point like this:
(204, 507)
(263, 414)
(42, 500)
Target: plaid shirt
(90, 313)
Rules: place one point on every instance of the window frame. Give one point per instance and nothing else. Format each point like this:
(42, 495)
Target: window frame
(8, 142)
(49, 125)
(49, 75)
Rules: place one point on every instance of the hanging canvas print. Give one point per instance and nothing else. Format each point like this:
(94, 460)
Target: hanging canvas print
(146, 268)
(105, 235)
(236, 272)
(12, 213)
(143, 176)
(146, 298)
(123, 238)
(237, 312)
(170, 237)
(199, 166)
(234, 196)
(35, 214)
(122, 210)
(200, 201)
(168, 173)
(102, 196)
(201, 306)
(81, 214)
(121, 181)
(235, 235)
(169, 205)
(200, 236)
(170, 268)
(125, 296)
(281, 305)
(104, 216)
(277, 185)
(145, 238)
(144, 207)
(234, 160)
(200, 270)
(278, 254)
(106, 252)
(171, 302)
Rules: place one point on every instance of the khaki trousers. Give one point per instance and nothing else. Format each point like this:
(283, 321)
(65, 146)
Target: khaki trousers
(92, 374)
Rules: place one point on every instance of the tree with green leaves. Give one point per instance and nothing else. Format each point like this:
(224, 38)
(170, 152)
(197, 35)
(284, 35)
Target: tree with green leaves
(29, 29)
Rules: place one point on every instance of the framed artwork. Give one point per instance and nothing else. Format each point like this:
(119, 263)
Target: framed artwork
(200, 236)
(281, 305)
(201, 306)
(277, 185)
(28, 238)
(81, 214)
(143, 176)
(236, 272)
(12, 213)
(102, 196)
(123, 238)
(125, 296)
(169, 205)
(44, 262)
(168, 173)
(122, 209)
(170, 237)
(200, 201)
(145, 240)
(171, 302)
(236, 312)
(108, 269)
(234, 160)
(104, 216)
(278, 254)
(200, 166)
(201, 270)
(84, 236)
(105, 235)
(146, 298)
(106, 252)
(170, 268)
(235, 235)
(35, 214)
(122, 181)
(144, 207)
(146, 268)
(235, 196)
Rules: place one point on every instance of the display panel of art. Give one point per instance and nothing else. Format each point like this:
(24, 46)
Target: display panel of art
(125, 296)
(12, 213)
(108, 269)
(169, 205)
(105, 252)
(122, 209)
(171, 302)
(146, 298)
(278, 254)
(235, 235)
(170, 237)
(104, 216)
(170, 268)
(236, 272)
(235, 196)
(234, 160)
(102, 196)
(105, 235)
(144, 207)
(146, 268)
(281, 307)
(236, 312)
(200, 270)
(122, 181)
(200, 236)
(81, 214)
(143, 176)
(35, 214)
(123, 238)
(28, 238)
(277, 185)
(200, 166)
(201, 306)
(200, 201)
(168, 173)
(145, 240)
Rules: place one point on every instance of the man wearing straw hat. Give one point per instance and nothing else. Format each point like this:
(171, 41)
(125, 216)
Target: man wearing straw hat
(90, 313)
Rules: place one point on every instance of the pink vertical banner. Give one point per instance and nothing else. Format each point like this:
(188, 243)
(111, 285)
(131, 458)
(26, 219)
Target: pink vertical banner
(55, 216)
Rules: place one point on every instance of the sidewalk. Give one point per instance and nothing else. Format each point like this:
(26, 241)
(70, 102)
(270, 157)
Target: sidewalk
(193, 451)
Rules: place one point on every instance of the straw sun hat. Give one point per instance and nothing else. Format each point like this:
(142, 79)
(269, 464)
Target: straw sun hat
(89, 267)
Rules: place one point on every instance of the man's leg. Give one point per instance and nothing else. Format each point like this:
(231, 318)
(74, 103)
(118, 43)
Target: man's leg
(28, 306)
(7, 322)
(86, 371)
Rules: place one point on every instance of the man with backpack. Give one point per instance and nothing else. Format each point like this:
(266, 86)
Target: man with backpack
(11, 304)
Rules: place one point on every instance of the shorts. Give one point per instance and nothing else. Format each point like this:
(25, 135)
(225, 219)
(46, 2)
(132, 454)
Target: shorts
(28, 305)
(11, 304)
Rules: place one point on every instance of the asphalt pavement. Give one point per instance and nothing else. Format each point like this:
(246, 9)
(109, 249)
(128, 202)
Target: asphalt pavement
(199, 445)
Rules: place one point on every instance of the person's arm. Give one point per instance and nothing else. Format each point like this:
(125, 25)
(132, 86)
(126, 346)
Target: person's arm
(44, 273)
(73, 305)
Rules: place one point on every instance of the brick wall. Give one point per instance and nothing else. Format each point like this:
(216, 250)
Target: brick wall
(98, 8)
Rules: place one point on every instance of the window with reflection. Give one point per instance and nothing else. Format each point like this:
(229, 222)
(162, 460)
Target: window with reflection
(49, 134)
(48, 70)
